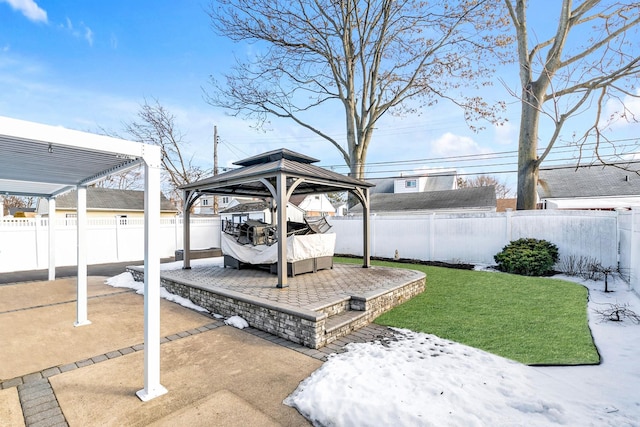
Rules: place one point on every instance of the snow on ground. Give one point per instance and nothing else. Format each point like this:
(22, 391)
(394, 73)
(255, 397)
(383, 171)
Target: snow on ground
(423, 380)
(126, 280)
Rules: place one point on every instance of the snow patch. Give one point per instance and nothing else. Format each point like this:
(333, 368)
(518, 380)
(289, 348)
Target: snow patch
(236, 322)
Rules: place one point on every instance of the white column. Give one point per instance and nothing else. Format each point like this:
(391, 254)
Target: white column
(366, 230)
(81, 310)
(152, 386)
(52, 238)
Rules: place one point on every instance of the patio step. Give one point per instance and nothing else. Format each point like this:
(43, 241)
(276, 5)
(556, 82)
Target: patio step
(341, 324)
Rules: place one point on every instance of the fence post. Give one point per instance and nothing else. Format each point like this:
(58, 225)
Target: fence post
(372, 235)
(36, 223)
(432, 236)
(633, 255)
(507, 224)
(117, 218)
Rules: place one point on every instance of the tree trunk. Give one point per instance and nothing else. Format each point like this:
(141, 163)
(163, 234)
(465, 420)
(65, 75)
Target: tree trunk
(528, 149)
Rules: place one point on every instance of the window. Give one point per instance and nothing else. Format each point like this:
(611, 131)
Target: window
(205, 202)
(225, 200)
(410, 183)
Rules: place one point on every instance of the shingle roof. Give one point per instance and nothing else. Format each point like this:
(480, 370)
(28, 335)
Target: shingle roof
(247, 207)
(594, 181)
(112, 200)
(464, 198)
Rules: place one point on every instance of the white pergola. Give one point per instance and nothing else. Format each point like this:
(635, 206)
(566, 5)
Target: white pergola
(45, 161)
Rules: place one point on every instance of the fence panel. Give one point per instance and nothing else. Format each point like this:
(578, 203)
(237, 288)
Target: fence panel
(467, 238)
(476, 237)
(24, 243)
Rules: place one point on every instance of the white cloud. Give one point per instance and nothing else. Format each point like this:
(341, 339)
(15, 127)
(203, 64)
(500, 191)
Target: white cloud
(88, 35)
(83, 32)
(29, 9)
(505, 134)
(450, 144)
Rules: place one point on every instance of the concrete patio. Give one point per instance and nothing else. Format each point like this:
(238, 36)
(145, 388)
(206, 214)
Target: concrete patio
(55, 374)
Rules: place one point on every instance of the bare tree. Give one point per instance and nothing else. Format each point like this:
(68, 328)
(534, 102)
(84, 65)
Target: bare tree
(365, 58)
(17, 202)
(156, 125)
(129, 180)
(502, 190)
(591, 58)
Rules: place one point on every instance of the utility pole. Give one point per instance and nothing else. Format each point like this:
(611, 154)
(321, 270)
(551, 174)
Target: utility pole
(215, 165)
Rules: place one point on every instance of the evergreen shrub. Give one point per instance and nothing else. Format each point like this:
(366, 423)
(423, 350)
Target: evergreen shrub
(527, 257)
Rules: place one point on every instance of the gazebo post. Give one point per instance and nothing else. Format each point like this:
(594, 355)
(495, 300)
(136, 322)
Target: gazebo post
(366, 250)
(186, 231)
(281, 194)
(81, 226)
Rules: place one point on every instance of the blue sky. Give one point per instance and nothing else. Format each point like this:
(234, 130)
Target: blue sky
(90, 65)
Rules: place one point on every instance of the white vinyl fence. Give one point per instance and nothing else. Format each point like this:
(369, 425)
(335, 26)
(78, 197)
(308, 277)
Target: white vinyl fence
(24, 242)
(611, 238)
(475, 238)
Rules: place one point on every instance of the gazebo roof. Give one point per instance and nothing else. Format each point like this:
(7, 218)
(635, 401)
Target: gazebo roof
(245, 181)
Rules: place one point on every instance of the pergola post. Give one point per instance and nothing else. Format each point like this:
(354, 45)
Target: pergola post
(281, 194)
(81, 225)
(152, 386)
(52, 238)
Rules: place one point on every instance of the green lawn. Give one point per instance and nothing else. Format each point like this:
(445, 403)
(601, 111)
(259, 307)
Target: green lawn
(528, 319)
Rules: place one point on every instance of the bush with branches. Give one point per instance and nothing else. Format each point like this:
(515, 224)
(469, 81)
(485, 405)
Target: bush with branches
(527, 257)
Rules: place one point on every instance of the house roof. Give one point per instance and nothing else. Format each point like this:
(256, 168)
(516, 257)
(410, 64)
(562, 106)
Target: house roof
(595, 181)
(110, 199)
(464, 198)
(247, 207)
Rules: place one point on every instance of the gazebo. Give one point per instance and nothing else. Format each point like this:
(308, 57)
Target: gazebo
(277, 175)
(45, 161)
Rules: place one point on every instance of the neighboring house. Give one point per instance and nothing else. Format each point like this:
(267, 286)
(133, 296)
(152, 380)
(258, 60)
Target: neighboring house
(314, 205)
(204, 205)
(106, 202)
(258, 210)
(22, 212)
(342, 208)
(596, 187)
(474, 199)
(437, 181)
(503, 204)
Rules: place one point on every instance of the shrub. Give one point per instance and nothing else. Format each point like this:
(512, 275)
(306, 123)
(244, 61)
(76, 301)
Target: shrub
(527, 257)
